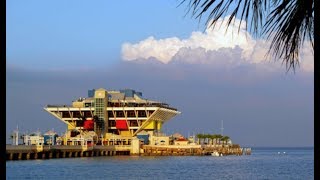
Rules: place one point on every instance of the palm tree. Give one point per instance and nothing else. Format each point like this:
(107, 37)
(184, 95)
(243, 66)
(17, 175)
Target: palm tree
(214, 136)
(206, 137)
(210, 138)
(219, 136)
(287, 22)
(225, 139)
(200, 136)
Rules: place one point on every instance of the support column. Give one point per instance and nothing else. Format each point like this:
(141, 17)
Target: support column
(19, 156)
(43, 155)
(50, 155)
(10, 156)
(70, 154)
(28, 156)
(35, 155)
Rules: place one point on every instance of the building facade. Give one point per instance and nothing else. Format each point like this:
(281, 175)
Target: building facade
(112, 115)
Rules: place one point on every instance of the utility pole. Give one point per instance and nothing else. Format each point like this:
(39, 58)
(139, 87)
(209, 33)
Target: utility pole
(222, 127)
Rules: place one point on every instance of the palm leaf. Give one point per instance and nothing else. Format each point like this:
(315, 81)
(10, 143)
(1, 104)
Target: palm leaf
(288, 23)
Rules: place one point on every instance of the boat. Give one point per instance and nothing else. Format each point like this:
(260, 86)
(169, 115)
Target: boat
(216, 153)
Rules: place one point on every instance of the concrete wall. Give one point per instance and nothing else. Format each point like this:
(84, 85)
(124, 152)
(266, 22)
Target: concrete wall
(159, 140)
(182, 143)
(135, 144)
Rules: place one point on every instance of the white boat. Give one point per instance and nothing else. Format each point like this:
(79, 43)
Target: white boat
(216, 153)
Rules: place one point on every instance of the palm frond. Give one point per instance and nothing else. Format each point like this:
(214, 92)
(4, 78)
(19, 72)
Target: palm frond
(289, 25)
(219, 8)
(287, 22)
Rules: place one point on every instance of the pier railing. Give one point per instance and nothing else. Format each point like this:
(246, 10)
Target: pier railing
(13, 148)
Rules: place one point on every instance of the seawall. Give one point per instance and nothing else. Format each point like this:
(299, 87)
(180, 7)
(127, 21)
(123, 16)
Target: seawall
(23, 152)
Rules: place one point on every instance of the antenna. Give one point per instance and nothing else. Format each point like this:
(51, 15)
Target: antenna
(222, 127)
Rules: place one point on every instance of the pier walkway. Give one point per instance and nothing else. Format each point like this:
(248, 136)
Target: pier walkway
(22, 152)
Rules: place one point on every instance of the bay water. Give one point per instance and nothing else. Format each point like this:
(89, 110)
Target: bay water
(263, 163)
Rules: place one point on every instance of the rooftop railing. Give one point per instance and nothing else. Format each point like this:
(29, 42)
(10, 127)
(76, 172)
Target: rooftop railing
(121, 104)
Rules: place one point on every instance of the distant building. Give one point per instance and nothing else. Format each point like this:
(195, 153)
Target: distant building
(15, 137)
(181, 142)
(192, 139)
(50, 138)
(33, 139)
(144, 137)
(108, 114)
(177, 136)
(159, 140)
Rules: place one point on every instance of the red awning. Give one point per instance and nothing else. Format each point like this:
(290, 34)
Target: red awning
(121, 124)
(89, 125)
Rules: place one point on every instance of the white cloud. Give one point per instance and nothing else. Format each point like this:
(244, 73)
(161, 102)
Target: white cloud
(217, 47)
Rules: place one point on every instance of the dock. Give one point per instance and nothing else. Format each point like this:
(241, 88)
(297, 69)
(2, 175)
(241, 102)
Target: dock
(29, 152)
(22, 152)
(194, 150)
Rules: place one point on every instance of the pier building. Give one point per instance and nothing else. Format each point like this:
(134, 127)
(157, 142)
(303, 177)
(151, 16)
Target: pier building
(108, 117)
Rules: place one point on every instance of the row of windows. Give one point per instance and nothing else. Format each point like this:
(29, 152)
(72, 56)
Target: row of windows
(129, 114)
(100, 112)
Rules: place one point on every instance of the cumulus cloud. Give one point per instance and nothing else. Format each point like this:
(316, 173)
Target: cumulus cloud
(216, 47)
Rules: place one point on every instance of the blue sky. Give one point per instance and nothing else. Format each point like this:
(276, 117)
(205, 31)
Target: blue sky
(57, 50)
(68, 33)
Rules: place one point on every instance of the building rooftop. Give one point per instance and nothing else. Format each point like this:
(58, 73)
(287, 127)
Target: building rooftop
(121, 98)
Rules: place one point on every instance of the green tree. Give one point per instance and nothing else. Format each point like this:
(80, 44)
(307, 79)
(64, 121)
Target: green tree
(199, 137)
(211, 137)
(207, 137)
(288, 23)
(218, 137)
(225, 139)
(214, 136)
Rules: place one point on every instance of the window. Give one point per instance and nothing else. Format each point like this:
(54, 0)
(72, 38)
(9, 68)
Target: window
(65, 114)
(110, 114)
(142, 114)
(120, 113)
(131, 114)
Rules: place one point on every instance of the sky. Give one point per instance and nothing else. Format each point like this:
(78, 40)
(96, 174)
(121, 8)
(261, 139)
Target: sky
(57, 50)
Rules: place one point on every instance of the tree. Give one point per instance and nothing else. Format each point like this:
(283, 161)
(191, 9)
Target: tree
(288, 23)
(200, 136)
(225, 139)
(206, 137)
(214, 136)
(219, 136)
(211, 136)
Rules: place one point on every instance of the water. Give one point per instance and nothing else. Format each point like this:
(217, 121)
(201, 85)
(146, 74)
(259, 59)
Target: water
(263, 163)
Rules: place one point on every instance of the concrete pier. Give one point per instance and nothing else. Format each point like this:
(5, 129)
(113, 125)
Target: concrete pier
(194, 150)
(21, 152)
